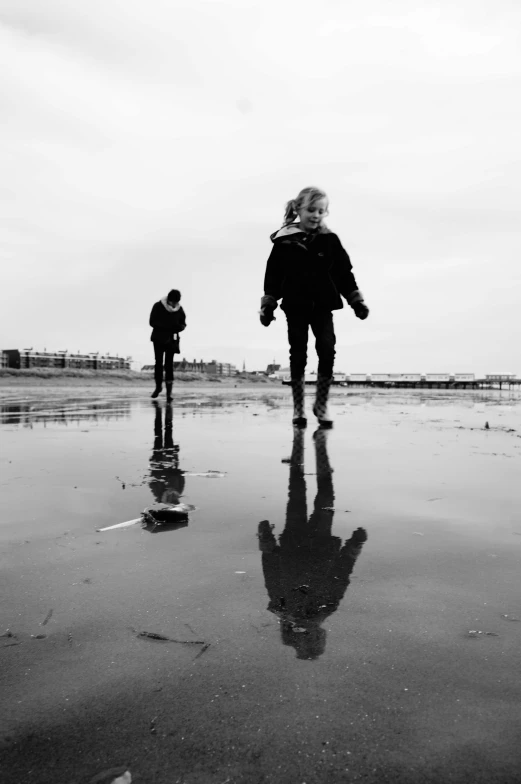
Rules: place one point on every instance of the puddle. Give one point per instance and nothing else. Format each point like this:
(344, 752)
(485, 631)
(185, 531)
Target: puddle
(324, 574)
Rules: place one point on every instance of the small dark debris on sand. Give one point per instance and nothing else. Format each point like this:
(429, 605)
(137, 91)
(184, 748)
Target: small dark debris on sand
(162, 638)
(10, 636)
(47, 618)
(203, 649)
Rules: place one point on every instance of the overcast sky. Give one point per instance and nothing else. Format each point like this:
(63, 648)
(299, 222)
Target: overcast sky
(152, 144)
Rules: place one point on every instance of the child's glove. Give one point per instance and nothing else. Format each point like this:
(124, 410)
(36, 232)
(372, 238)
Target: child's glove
(266, 316)
(361, 310)
(268, 305)
(356, 300)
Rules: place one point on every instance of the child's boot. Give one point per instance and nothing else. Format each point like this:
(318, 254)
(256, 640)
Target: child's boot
(320, 408)
(298, 387)
(169, 396)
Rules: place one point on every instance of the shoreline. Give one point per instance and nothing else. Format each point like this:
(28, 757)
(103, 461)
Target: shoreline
(139, 382)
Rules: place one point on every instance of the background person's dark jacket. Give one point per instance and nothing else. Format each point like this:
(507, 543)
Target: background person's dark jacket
(307, 270)
(164, 324)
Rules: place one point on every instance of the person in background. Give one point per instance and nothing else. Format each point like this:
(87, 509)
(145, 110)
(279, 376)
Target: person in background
(167, 320)
(309, 270)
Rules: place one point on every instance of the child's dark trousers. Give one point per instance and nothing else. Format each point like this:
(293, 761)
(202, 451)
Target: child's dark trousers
(321, 322)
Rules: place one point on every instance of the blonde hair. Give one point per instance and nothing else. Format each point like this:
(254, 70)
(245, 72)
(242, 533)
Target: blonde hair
(306, 195)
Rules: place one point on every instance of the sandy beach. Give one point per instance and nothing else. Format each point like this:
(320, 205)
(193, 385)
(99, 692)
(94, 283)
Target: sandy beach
(339, 606)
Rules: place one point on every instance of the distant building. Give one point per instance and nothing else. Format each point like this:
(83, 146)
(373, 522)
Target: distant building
(272, 368)
(282, 374)
(221, 368)
(186, 365)
(28, 358)
(213, 367)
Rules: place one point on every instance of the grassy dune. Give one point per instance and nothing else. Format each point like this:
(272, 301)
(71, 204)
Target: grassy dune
(71, 376)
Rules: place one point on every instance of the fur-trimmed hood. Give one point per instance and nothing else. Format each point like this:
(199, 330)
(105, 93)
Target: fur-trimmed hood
(294, 230)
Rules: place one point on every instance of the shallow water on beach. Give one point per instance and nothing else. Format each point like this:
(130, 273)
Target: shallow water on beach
(361, 585)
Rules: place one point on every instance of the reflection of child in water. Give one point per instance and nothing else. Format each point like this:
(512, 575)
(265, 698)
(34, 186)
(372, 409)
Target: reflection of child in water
(307, 572)
(166, 481)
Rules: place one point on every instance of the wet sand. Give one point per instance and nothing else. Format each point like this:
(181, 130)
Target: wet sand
(339, 607)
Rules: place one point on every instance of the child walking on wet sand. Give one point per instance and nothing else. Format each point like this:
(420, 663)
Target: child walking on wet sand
(309, 270)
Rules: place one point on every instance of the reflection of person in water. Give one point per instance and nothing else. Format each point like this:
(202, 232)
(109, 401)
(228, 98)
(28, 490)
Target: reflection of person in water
(166, 481)
(307, 572)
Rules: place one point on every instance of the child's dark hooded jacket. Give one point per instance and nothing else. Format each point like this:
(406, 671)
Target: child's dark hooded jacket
(309, 270)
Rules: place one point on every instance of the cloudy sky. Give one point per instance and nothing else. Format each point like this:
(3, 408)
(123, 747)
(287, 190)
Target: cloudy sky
(151, 144)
